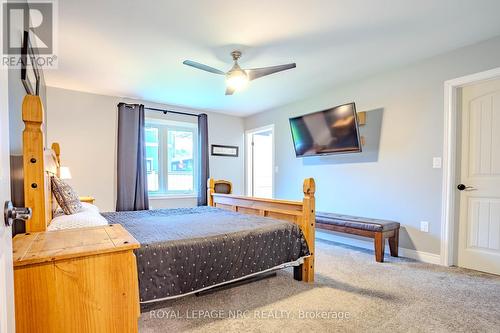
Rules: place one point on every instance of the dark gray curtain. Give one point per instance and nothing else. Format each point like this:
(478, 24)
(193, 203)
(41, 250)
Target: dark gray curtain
(132, 191)
(203, 153)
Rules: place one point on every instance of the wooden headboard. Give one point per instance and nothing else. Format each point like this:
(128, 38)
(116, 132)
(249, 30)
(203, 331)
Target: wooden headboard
(39, 164)
(302, 213)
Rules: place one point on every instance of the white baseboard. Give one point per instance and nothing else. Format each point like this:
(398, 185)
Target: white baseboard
(366, 243)
(427, 257)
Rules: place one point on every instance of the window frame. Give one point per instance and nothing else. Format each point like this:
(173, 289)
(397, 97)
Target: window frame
(164, 126)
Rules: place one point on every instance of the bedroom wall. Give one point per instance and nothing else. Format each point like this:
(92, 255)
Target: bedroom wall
(85, 125)
(400, 183)
(16, 125)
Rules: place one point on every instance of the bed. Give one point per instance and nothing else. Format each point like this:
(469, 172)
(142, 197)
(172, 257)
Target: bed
(187, 250)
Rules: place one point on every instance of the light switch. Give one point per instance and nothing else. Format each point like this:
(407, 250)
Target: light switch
(437, 163)
(424, 226)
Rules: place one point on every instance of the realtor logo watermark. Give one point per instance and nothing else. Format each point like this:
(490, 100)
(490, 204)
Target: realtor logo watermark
(169, 314)
(39, 19)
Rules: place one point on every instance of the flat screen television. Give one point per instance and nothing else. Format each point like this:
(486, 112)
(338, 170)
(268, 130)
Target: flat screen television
(331, 131)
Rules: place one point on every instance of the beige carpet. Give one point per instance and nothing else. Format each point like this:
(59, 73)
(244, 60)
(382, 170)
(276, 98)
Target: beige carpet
(352, 293)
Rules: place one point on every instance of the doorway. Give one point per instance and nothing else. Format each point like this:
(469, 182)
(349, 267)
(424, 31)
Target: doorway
(260, 162)
(471, 175)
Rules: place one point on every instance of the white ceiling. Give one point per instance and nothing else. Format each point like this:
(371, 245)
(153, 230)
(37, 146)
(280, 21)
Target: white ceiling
(136, 48)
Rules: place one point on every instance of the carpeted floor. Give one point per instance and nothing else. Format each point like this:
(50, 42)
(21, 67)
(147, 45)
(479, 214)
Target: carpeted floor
(352, 293)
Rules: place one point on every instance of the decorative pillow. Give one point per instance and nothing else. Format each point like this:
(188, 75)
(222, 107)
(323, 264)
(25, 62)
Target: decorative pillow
(66, 197)
(57, 212)
(85, 206)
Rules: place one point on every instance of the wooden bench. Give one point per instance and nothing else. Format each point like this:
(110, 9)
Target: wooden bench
(379, 230)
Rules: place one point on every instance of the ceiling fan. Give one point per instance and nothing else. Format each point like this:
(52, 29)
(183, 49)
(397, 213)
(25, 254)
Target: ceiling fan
(237, 78)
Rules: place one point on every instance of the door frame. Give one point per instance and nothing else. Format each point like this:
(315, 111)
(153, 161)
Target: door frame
(249, 151)
(449, 197)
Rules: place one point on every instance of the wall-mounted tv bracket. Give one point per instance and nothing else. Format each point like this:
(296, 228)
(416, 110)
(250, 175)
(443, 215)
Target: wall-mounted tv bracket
(362, 122)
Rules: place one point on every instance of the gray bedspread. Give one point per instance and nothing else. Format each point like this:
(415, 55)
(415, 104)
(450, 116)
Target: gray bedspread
(188, 249)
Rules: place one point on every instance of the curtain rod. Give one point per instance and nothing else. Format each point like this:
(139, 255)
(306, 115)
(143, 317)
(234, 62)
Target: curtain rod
(165, 111)
(170, 111)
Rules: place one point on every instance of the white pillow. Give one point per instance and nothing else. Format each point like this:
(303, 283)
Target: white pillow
(88, 217)
(88, 206)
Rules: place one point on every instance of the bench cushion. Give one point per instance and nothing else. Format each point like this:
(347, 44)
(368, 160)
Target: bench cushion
(363, 223)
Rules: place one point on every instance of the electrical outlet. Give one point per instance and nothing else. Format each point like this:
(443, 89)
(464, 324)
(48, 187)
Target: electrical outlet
(424, 226)
(437, 163)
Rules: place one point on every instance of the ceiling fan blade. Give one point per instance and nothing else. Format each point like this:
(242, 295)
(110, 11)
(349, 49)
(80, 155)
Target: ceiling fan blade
(203, 67)
(255, 73)
(229, 91)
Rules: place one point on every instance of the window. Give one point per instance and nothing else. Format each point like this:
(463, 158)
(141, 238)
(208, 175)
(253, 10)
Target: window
(171, 157)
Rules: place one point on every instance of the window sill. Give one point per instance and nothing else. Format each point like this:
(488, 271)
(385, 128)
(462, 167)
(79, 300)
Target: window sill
(173, 196)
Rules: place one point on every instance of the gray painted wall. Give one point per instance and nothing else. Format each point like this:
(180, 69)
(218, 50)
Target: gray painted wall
(400, 183)
(16, 125)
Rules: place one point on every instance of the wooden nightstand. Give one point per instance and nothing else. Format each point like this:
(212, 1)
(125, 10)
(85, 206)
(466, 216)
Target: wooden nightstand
(76, 280)
(89, 200)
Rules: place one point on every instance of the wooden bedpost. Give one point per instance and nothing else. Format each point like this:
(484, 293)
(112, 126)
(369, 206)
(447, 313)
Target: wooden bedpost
(57, 150)
(308, 228)
(210, 191)
(302, 213)
(33, 163)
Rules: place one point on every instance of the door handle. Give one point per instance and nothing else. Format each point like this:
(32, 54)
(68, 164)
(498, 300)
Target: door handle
(11, 213)
(462, 187)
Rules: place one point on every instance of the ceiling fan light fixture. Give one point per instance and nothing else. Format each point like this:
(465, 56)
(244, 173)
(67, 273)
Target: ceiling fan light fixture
(237, 79)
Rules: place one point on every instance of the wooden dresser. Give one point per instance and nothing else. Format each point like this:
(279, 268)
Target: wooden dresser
(76, 280)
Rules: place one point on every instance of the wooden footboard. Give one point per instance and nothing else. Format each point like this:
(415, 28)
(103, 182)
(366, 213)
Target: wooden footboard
(301, 213)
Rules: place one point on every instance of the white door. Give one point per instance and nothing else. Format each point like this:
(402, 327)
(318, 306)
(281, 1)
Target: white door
(6, 274)
(479, 229)
(260, 166)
